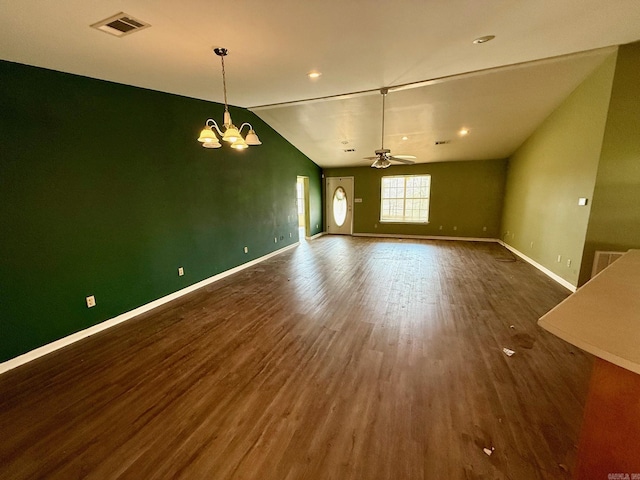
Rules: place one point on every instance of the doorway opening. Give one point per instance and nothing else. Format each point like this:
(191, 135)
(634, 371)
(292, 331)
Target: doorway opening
(302, 200)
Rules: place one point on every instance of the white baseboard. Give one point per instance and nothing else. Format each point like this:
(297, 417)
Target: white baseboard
(425, 237)
(317, 235)
(68, 340)
(543, 269)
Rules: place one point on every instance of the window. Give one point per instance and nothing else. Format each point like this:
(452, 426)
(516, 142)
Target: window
(405, 199)
(339, 206)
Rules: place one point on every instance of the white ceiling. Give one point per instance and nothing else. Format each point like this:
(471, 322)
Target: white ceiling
(358, 45)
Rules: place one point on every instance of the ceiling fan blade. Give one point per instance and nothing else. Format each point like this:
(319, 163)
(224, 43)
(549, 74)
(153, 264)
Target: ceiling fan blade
(370, 158)
(406, 157)
(402, 160)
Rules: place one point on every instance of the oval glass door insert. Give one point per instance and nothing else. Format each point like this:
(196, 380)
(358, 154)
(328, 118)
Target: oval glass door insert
(339, 206)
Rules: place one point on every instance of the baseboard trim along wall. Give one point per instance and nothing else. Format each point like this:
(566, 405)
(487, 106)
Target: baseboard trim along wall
(68, 340)
(543, 269)
(546, 271)
(425, 237)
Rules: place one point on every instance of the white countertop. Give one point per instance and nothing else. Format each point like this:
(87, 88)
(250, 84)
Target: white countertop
(603, 316)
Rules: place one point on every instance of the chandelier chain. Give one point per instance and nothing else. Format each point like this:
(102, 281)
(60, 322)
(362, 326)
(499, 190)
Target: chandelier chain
(224, 85)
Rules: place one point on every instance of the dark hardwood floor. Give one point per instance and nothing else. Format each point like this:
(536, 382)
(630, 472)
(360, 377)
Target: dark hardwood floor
(345, 358)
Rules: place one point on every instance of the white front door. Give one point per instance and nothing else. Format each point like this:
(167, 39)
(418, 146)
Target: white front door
(340, 205)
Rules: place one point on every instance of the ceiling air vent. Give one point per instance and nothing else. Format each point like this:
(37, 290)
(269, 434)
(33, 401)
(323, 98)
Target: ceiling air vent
(442, 142)
(120, 25)
(347, 150)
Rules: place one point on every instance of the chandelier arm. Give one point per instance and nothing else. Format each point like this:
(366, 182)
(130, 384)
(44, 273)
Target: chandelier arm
(242, 126)
(213, 124)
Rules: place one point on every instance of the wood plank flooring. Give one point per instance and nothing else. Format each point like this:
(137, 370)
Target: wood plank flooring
(344, 358)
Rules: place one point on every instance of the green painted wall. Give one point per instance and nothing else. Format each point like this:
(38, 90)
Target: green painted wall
(105, 191)
(467, 195)
(615, 215)
(551, 170)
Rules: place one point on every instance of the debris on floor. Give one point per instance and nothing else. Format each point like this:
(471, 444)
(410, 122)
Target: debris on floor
(508, 352)
(512, 326)
(488, 451)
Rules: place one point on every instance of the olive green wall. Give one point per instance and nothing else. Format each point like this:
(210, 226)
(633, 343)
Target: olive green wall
(467, 195)
(550, 171)
(105, 192)
(615, 215)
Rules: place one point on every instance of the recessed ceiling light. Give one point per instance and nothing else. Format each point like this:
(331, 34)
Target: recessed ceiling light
(313, 74)
(405, 138)
(463, 132)
(485, 39)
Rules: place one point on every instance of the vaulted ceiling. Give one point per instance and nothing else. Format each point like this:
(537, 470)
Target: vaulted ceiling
(440, 81)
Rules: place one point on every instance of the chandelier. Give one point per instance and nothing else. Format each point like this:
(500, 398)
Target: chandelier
(231, 133)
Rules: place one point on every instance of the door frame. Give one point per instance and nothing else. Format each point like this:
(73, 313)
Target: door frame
(305, 198)
(350, 202)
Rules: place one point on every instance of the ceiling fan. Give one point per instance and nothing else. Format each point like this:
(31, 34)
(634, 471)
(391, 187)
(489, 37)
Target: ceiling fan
(383, 156)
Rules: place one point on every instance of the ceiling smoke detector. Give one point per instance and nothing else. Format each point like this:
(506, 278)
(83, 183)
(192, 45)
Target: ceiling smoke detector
(120, 25)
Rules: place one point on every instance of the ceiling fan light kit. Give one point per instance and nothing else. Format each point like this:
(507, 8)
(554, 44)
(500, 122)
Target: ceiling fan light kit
(383, 156)
(231, 134)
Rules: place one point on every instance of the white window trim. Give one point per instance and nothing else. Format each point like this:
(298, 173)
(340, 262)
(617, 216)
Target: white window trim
(404, 200)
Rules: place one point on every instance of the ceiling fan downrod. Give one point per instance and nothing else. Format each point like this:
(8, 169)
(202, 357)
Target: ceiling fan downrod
(384, 92)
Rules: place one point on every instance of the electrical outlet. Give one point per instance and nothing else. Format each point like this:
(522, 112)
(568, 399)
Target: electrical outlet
(91, 301)
(568, 262)
(455, 228)
(440, 228)
(531, 245)
(290, 235)
(275, 239)
(559, 258)
(246, 249)
(484, 229)
(180, 271)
